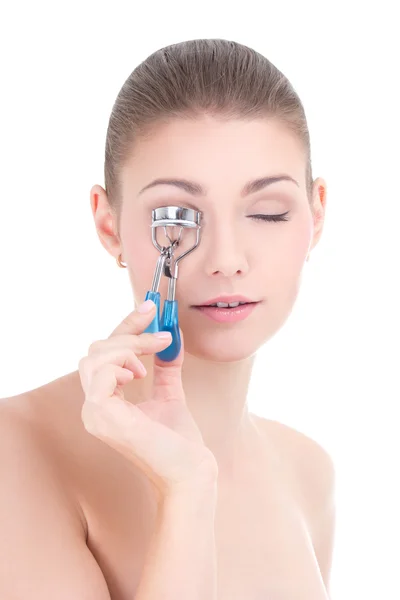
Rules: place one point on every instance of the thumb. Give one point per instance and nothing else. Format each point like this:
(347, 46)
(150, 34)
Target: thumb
(167, 377)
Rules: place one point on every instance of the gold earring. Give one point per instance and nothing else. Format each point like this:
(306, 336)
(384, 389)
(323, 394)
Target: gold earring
(120, 263)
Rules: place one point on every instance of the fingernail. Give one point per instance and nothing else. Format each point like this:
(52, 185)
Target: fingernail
(146, 306)
(163, 334)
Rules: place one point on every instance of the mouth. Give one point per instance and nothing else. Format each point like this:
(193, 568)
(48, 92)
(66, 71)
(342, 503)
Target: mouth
(228, 311)
(226, 302)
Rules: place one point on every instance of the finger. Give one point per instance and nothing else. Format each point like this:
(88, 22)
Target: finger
(167, 377)
(136, 322)
(128, 430)
(123, 425)
(121, 357)
(145, 343)
(104, 381)
(119, 353)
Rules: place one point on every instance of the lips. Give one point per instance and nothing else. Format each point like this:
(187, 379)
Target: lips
(227, 315)
(227, 300)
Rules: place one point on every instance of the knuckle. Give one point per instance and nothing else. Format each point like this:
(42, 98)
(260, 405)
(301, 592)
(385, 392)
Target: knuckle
(102, 368)
(130, 360)
(131, 342)
(123, 352)
(132, 354)
(89, 364)
(92, 378)
(85, 367)
(127, 342)
(95, 346)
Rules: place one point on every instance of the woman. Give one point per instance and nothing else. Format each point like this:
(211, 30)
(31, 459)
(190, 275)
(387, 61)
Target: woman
(127, 482)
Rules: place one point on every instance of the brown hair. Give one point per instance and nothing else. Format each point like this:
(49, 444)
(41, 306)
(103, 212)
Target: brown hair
(188, 79)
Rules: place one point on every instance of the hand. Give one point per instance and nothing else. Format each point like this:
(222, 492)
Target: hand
(159, 436)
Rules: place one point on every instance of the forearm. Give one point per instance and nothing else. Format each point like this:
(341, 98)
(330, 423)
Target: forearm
(181, 561)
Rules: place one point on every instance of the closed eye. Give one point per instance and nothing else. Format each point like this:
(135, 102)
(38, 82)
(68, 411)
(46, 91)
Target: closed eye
(270, 217)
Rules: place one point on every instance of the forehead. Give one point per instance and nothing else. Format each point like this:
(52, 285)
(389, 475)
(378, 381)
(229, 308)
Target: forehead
(215, 152)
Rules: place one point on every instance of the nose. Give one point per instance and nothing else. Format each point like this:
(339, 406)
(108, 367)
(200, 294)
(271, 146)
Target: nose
(223, 251)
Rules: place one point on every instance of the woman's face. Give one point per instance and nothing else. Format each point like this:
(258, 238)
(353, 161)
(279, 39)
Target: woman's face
(237, 254)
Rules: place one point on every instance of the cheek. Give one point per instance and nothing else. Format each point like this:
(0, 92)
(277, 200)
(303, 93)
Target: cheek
(301, 239)
(286, 252)
(296, 247)
(141, 255)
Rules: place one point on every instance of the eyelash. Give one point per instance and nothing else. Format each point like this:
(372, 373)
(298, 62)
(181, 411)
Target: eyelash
(270, 218)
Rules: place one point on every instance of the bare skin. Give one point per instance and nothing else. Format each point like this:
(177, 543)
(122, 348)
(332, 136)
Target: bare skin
(275, 513)
(268, 519)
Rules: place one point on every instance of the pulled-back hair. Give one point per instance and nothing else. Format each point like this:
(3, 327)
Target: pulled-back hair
(192, 78)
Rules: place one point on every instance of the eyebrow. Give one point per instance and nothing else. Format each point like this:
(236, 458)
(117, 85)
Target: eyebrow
(196, 189)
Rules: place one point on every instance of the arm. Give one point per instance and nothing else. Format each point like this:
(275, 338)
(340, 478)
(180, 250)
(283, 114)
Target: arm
(43, 552)
(181, 561)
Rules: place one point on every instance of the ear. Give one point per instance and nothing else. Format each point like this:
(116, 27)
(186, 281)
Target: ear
(319, 194)
(105, 220)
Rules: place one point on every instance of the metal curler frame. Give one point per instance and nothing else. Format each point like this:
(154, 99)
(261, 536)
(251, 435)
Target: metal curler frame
(167, 264)
(165, 216)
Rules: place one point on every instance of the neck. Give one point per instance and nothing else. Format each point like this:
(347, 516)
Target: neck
(216, 396)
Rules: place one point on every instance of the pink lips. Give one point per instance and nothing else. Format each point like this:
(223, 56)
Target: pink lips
(226, 299)
(227, 315)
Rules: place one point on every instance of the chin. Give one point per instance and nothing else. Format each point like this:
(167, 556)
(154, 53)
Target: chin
(225, 347)
(235, 342)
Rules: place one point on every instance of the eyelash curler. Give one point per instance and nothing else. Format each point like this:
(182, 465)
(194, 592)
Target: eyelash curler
(167, 264)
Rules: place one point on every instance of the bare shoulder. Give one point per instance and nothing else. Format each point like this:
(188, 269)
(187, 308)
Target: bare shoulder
(56, 401)
(310, 464)
(27, 451)
(43, 425)
(41, 505)
(312, 472)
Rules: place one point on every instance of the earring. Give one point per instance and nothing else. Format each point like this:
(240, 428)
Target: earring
(120, 263)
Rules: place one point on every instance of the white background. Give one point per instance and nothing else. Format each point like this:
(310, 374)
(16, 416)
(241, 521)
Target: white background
(332, 371)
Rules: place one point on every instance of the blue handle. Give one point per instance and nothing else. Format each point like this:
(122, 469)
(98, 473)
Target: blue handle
(155, 324)
(169, 322)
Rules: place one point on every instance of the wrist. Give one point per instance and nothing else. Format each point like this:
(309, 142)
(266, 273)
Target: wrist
(194, 502)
